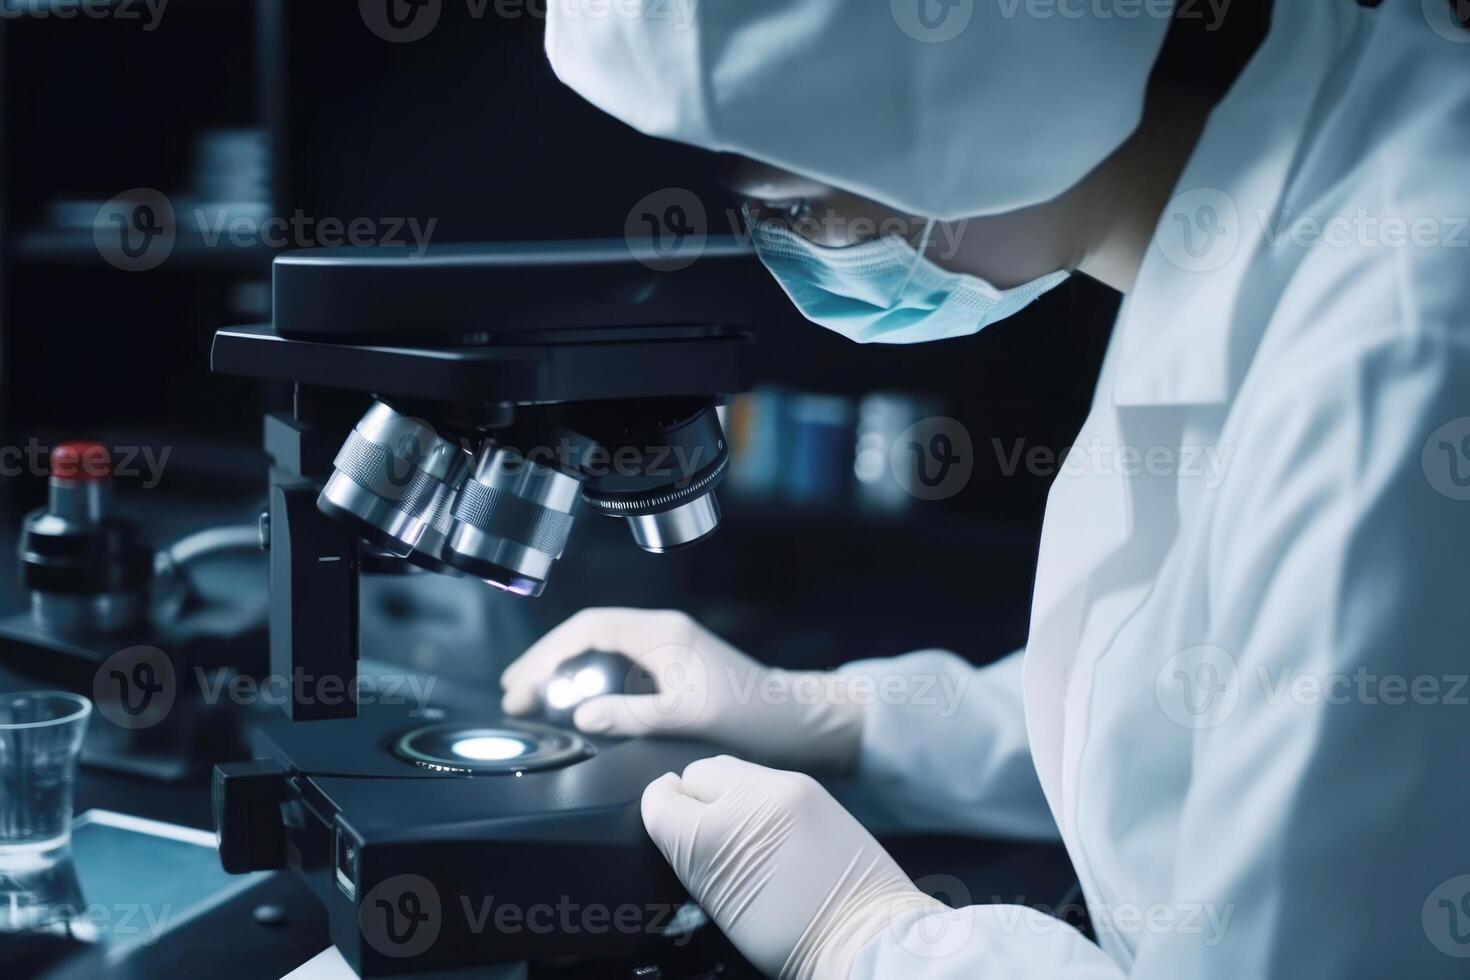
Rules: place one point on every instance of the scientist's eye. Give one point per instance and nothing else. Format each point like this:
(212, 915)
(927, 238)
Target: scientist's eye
(794, 212)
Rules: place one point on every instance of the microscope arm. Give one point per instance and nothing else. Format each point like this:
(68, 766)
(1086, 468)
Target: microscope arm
(313, 578)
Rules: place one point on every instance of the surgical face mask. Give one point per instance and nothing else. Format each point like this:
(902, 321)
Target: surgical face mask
(885, 291)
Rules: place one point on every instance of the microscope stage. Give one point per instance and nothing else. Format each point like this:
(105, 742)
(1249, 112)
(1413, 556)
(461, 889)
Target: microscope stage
(372, 832)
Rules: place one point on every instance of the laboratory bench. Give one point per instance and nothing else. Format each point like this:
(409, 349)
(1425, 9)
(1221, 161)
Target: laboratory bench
(269, 926)
(787, 611)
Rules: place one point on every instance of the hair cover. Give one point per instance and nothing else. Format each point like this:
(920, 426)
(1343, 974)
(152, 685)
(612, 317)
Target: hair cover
(938, 108)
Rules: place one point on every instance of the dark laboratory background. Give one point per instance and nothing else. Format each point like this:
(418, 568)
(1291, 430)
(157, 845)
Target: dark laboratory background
(269, 107)
(274, 108)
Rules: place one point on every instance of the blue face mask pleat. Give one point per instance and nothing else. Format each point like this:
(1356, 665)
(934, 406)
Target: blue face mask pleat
(887, 291)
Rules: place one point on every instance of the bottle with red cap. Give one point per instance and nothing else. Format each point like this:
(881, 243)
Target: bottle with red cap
(87, 569)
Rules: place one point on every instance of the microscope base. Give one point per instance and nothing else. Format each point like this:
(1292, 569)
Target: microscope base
(422, 871)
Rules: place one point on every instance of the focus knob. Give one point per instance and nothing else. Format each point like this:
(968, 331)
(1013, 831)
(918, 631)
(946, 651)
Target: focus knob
(248, 823)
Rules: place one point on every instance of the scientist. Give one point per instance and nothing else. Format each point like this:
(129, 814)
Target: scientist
(1242, 700)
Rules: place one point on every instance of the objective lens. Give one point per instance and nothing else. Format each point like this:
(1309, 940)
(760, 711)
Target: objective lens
(511, 520)
(674, 459)
(391, 477)
(688, 523)
(431, 551)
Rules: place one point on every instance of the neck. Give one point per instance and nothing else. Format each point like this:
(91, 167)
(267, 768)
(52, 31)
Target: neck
(1121, 202)
(1101, 227)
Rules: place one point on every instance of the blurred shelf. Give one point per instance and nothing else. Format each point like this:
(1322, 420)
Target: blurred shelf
(76, 247)
(926, 525)
(135, 11)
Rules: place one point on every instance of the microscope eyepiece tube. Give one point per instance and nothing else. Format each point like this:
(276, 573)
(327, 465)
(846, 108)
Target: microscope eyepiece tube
(391, 477)
(511, 520)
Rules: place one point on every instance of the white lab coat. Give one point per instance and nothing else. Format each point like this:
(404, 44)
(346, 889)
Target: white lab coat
(1244, 700)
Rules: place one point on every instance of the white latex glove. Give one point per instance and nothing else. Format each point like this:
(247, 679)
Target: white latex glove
(788, 874)
(707, 689)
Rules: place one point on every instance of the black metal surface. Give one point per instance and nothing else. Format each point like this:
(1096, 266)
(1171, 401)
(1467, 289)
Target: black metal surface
(246, 799)
(83, 559)
(666, 453)
(570, 835)
(262, 934)
(177, 731)
(314, 602)
(596, 365)
(233, 942)
(503, 291)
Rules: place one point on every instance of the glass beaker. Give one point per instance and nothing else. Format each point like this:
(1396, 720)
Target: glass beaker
(40, 740)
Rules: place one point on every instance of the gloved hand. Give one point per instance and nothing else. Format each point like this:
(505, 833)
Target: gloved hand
(707, 689)
(788, 874)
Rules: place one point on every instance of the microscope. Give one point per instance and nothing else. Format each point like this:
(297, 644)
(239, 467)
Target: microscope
(458, 412)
